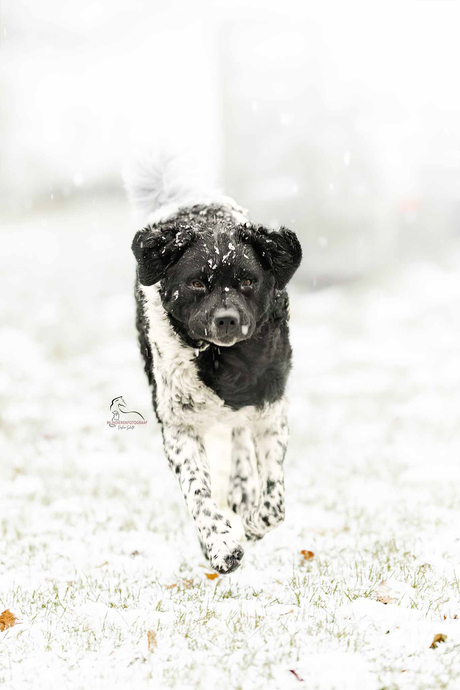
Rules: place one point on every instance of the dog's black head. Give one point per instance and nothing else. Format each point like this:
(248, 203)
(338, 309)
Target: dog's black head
(217, 283)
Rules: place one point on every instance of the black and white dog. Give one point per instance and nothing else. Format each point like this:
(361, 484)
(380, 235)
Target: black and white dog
(212, 316)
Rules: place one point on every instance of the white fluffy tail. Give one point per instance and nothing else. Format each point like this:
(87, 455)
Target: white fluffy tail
(158, 183)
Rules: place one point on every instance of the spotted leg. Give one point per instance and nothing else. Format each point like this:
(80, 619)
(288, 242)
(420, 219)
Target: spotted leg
(244, 479)
(271, 436)
(187, 458)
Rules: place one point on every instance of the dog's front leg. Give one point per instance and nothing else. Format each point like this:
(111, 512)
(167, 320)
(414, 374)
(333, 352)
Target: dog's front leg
(244, 483)
(271, 435)
(187, 458)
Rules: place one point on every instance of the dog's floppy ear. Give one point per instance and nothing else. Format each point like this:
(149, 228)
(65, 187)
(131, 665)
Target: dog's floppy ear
(157, 249)
(279, 251)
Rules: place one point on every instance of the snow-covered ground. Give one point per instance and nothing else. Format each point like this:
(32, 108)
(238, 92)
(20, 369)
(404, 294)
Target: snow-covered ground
(97, 549)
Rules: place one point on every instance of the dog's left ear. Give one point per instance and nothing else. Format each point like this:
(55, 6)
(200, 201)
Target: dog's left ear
(157, 249)
(279, 251)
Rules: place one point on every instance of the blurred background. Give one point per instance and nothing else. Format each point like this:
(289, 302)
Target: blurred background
(340, 120)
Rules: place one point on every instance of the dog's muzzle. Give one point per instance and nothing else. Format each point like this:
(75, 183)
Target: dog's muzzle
(226, 324)
(226, 327)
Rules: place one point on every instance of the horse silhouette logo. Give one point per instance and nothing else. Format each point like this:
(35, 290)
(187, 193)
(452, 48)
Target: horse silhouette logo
(121, 415)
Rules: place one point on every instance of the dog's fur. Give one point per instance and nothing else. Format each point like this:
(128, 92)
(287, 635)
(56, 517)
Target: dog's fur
(212, 316)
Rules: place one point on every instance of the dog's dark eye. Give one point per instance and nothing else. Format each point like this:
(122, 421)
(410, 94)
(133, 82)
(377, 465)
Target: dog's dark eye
(247, 282)
(198, 284)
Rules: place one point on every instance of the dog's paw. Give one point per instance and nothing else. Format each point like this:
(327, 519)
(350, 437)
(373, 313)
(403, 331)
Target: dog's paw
(258, 522)
(252, 535)
(225, 555)
(254, 532)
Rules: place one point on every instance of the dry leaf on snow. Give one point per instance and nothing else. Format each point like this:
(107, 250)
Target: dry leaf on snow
(437, 639)
(7, 620)
(151, 640)
(308, 555)
(391, 591)
(383, 593)
(212, 576)
(296, 675)
(186, 584)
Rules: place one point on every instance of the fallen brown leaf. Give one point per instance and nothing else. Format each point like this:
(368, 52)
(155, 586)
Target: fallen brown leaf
(151, 640)
(212, 576)
(296, 675)
(308, 555)
(437, 639)
(383, 593)
(7, 620)
(185, 584)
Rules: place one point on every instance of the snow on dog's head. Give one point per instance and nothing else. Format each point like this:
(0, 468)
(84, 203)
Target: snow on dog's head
(217, 277)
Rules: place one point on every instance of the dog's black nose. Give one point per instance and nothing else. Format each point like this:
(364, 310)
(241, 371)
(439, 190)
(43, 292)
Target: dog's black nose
(226, 321)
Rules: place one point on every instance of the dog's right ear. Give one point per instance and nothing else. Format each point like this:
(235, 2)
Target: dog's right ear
(279, 251)
(157, 249)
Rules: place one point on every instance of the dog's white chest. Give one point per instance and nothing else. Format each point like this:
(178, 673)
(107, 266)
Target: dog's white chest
(182, 398)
